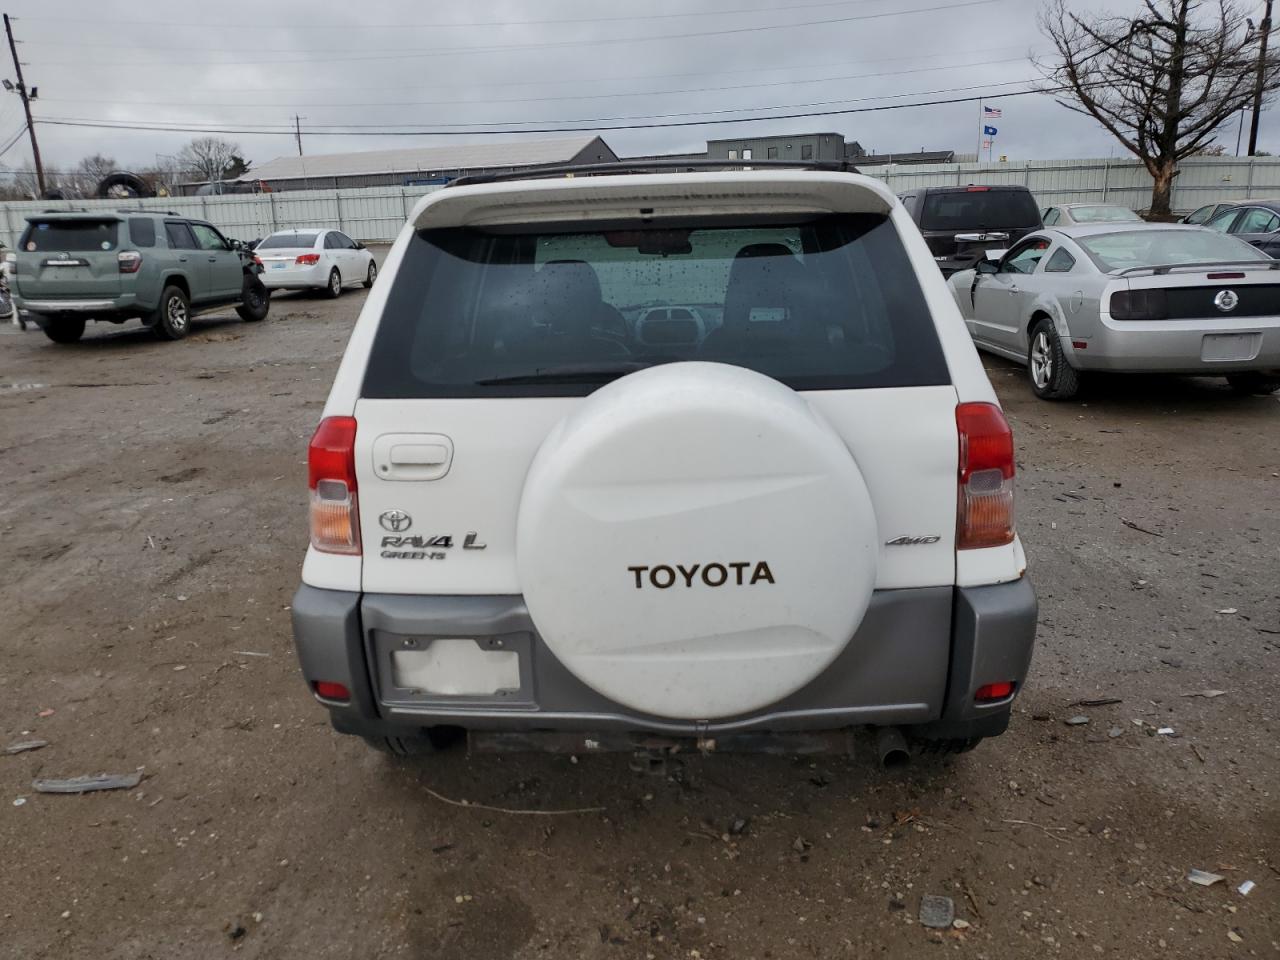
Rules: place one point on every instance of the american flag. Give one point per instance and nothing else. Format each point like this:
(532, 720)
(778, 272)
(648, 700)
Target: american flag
(991, 113)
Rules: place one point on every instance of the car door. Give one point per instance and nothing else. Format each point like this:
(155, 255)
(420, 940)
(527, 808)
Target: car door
(348, 256)
(1256, 225)
(1225, 221)
(998, 297)
(186, 253)
(226, 275)
(1203, 214)
(335, 255)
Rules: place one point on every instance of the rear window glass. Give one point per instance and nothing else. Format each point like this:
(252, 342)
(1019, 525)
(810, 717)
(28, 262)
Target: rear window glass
(828, 304)
(1153, 248)
(79, 235)
(279, 240)
(1103, 213)
(142, 231)
(979, 209)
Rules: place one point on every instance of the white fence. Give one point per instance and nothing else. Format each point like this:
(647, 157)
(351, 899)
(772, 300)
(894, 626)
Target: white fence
(377, 213)
(366, 213)
(1200, 181)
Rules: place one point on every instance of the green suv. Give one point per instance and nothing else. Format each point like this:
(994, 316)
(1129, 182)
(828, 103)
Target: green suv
(160, 268)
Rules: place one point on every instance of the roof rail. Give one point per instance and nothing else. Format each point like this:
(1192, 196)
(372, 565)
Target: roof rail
(624, 166)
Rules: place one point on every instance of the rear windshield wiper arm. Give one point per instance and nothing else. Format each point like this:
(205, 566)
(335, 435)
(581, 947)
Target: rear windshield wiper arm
(574, 373)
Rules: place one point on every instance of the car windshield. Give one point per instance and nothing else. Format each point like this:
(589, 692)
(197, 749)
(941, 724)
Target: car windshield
(80, 236)
(1151, 248)
(1103, 213)
(288, 240)
(975, 208)
(831, 303)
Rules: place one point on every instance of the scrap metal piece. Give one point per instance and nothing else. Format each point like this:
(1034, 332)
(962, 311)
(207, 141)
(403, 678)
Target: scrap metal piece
(937, 912)
(89, 784)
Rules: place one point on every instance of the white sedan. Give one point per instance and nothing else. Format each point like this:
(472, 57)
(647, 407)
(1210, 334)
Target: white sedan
(325, 260)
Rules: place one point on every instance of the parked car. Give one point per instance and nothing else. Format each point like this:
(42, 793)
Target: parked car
(533, 525)
(325, 260)
(963, 225)
(1128, 298)
(1257, 221)
(160, 268)
(1202, 215)
(1069, 214)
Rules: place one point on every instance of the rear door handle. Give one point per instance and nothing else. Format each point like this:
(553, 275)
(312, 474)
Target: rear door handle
(213, 259)
(182, 259)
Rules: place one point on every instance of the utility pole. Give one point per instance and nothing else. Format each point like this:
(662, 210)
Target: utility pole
(26, 105)
(297, 131)
(1259, 84)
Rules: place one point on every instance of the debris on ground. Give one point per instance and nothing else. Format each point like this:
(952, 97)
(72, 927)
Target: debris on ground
(89, 784)
(959, 924)
(1246, 888)
(47, 712)
(1207, 694)
(22, 746)
(1099, 702)
(1077, 721)
(800, 845)
(1166, 732)
(937, 912)
(1234, 937)
(1228, 611)
(1204, 878)
(739, 826)
(1115, 732)
(1133, 526)
(20, 801)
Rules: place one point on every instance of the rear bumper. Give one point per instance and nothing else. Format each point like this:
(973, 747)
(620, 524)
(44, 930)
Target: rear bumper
(1178, 346)
(295, 278)
(917, 659)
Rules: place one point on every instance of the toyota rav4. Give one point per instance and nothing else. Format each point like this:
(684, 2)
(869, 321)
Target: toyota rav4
(636, 458)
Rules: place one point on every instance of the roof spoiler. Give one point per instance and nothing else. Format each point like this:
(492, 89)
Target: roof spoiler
(650, 166)
(1159, 270)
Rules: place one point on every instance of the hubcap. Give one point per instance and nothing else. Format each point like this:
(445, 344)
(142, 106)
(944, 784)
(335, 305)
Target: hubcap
(1041, 361)
(373, 272)
(177, 313)
(335, 282)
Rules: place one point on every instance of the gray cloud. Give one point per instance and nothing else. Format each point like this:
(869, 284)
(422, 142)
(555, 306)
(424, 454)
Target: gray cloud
(347, 64)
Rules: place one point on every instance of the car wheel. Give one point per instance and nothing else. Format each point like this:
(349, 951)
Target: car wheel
(255, 301)
(334, 288)
(1253, 383)
(428, 741)
(63, 329)
(172, 319)
(1052, 378)
(371, 276)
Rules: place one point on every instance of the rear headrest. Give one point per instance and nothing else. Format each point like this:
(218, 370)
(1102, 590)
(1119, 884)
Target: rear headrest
(763, 275)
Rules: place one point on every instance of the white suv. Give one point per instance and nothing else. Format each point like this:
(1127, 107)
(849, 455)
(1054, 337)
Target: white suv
(788, 518)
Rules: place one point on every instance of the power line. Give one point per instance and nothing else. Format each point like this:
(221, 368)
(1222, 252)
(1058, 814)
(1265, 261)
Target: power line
(449, 25)
(110, 125)
(554, 44)
(586, 96)
(580, 122)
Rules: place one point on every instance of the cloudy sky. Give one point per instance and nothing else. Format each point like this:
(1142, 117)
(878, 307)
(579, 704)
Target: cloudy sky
(502, 64)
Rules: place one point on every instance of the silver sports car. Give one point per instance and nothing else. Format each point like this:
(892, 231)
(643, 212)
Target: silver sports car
(1128, 297)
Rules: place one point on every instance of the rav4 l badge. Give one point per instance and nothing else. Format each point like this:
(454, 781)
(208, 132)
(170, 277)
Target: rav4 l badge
(397, 521)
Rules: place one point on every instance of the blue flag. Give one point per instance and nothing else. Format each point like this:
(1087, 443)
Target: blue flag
(989, 131)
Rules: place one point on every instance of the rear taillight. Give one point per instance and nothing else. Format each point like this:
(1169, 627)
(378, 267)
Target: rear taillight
(331, 690)
(257, 260)
(991, 692)
(331, 467)
(308, 258)
(1149, 304)
(985, 508)
(130, 261)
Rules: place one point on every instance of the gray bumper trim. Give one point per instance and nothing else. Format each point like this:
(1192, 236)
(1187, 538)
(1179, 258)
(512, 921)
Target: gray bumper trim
(67, 306)
(915, 660)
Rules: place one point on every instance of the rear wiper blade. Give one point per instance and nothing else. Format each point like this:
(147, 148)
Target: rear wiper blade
(570, 373)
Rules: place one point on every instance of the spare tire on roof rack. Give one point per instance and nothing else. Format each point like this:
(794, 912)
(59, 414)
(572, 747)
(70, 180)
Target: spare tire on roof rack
(123, 184)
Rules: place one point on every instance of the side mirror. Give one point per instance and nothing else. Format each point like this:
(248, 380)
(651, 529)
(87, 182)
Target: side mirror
(235, 244)
(359, 245)
(987, 267)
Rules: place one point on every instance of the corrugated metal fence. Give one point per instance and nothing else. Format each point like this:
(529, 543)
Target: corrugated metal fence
(1200, 181)
(369, 213)
(377, 213)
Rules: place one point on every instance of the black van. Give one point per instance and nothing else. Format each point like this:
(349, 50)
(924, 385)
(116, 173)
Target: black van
(962, 225)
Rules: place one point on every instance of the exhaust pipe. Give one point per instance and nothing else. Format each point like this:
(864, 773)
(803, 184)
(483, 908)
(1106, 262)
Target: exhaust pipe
(891, 748)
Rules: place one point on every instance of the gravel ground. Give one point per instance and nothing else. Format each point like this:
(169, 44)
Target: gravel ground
(153, 528)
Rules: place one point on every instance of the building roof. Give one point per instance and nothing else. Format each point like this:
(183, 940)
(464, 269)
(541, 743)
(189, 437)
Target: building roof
(919, 156)
(462, 156)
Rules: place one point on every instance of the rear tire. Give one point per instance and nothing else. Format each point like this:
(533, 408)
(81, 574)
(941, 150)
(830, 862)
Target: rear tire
(947, 747)
(424, 743)
(1253, 383)
(1051, 377)
(63, 329)
(172, 319)
(371, 276)
(333, 290)
(255, 301)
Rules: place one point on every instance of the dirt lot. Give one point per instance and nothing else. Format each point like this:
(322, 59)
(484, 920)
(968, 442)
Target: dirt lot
(153, 528)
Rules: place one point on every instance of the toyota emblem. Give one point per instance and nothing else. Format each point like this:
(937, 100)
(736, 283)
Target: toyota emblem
(397, 521)
(1226, 300)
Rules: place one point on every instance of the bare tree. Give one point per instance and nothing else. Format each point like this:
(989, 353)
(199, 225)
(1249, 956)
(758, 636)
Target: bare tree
(1162, 83)
(82, 181)
(208, 158)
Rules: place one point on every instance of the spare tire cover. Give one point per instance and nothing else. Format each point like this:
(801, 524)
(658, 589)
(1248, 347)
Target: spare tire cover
(695, 541)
